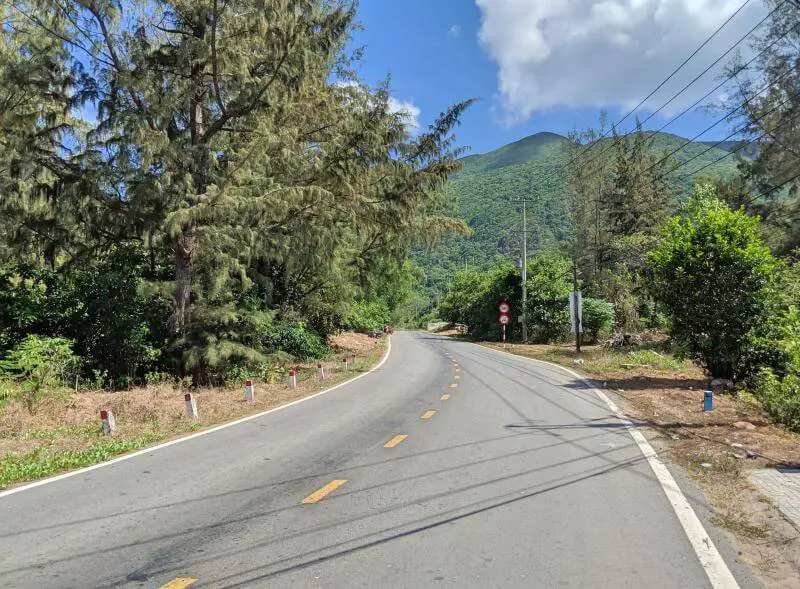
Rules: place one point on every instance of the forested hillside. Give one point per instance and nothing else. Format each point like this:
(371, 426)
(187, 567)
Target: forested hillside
(486, 191)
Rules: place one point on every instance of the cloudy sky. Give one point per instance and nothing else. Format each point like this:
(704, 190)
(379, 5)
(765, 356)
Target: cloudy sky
(549, 65)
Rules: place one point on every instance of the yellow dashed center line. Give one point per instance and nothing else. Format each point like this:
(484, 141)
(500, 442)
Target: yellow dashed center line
(455, 364)
(428, 414)
(454, 385)
(395, 440)
(458, 370)
(179, 583)
(324, 491)
(456, 377)
(445, 397)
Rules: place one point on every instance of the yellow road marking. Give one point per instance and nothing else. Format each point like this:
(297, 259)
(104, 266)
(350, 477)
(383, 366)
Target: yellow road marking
(395, 440)
(456, 377)
(454, 385)
(428, 414)
(445, 397)
(324, 491)
(179, 583)
(458, 370)
(455, 364)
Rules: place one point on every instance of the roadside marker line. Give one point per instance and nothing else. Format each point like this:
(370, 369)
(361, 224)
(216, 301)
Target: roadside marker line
(320, 494)
(395, 440)
(428, 414)
(445, 397)
(179, 583)
(182, 439)
(711, 560)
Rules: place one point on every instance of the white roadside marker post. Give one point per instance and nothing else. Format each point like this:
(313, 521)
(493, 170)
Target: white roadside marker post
(191, 405)
(320, 371)
(249, 391)
(344, 361)
(292, 379)
(109, 423)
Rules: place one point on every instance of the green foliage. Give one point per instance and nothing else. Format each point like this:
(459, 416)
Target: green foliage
(42, 462)
(715, 279)
(780, 396)
(296, 339)
(43, 367)
(549, 285)
(368, 315)
(598, 318)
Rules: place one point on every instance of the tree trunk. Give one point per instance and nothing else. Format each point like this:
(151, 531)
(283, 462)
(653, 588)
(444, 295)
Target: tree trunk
(185, 252)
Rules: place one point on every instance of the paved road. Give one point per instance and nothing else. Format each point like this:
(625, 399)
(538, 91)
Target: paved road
(522, 478)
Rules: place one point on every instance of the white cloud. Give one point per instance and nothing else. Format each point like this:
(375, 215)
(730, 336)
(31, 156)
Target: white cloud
(604, 52)
(455, 31)
(409, 110)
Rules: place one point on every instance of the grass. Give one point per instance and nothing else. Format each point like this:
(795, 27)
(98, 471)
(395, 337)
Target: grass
(605, 362)
(48, 460)
(62, 436)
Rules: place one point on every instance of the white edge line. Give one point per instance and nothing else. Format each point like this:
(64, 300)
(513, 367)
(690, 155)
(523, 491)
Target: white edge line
(186, 438)
(711, 560)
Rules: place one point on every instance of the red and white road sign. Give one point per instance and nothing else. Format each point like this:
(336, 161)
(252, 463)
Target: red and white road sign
(504, 308)
(504, 320)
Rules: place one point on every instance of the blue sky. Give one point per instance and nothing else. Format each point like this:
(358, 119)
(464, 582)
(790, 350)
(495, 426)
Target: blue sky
(547, 65)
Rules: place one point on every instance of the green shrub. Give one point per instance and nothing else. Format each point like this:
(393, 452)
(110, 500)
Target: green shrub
(598, 317)
(549, 285)
(779, 396)
(715, 278)
(368, 315)
(43, 367)
(296, 339)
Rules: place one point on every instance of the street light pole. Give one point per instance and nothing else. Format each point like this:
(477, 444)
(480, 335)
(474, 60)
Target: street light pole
(524, 272)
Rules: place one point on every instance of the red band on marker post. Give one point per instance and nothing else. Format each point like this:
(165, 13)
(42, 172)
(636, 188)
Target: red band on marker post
(188, 396)
(248, 383)
(104, 415)
(292, 373)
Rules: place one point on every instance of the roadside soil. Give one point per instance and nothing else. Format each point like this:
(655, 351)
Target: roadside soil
(715, 450)
(59, 432)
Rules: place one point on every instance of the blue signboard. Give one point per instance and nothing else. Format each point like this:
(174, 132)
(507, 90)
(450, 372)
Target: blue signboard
(708, 401)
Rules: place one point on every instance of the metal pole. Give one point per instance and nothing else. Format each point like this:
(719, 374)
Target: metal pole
(577, 313)
(524, 272)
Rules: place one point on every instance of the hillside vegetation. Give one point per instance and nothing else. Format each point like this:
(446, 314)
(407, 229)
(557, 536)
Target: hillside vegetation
(485, 194)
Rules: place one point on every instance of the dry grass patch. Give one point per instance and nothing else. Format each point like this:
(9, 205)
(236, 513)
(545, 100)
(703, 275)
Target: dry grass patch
(62, 436)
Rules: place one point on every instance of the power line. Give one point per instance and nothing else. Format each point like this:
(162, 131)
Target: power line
(710, 92)
(736, 132)
(676, 70)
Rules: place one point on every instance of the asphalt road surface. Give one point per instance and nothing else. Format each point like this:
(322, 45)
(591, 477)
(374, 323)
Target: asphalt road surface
(512, 474)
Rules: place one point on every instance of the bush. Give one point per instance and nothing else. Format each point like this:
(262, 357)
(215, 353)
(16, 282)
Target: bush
(716, 280)
(549, 285)
(598, 317)
(42, 366)
(368, 315)
(295, 339)
(779, 396)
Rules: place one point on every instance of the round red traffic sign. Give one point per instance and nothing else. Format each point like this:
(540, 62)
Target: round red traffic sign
(504, 308)
(504, 320)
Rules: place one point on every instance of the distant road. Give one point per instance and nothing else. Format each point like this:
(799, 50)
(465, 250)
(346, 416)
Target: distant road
(451, 465)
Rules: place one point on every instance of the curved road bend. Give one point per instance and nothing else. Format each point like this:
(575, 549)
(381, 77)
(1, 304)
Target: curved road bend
(511, 474)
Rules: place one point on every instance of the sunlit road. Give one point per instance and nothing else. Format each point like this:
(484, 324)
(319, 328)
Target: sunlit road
(510, 474)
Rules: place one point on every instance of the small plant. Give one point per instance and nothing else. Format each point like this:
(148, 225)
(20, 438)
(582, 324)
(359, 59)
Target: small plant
(598, 317)
(156, 378)
(43, 367)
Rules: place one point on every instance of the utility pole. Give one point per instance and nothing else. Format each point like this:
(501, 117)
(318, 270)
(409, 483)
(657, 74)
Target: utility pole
(575, 305)
(524, 272)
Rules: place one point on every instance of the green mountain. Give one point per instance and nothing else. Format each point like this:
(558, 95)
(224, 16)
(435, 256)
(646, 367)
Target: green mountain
(485, 194)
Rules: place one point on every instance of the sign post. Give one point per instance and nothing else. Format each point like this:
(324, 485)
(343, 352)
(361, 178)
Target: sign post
(504, 319)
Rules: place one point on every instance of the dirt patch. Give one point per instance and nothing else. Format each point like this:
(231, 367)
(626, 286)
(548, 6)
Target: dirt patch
(358, 343)
(666, 396)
